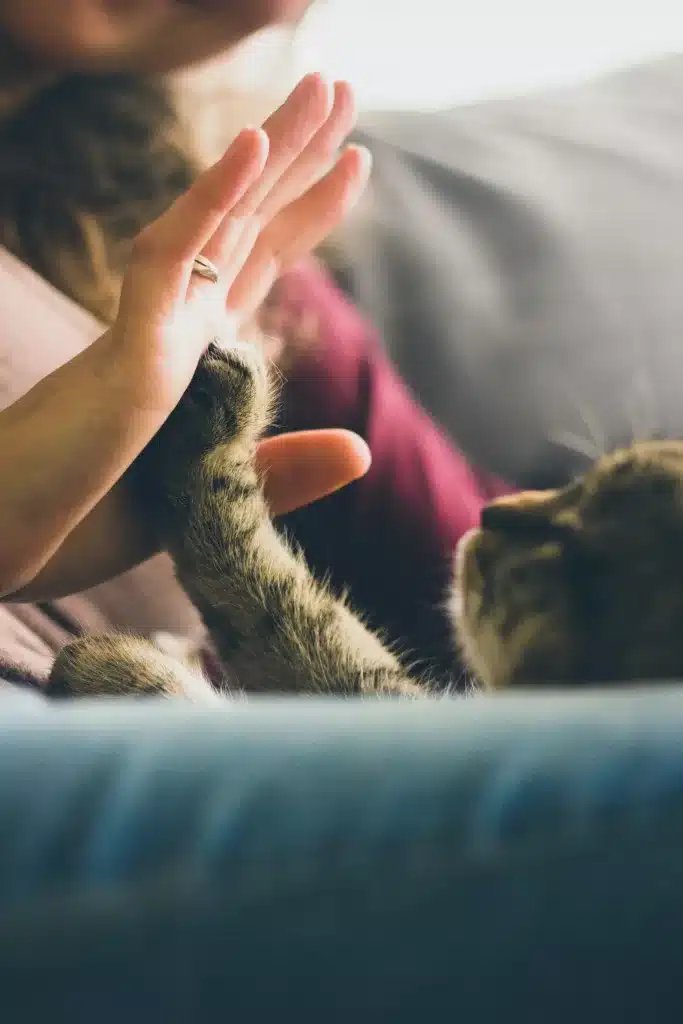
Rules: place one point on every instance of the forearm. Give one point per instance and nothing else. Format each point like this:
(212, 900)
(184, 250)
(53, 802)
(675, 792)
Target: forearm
(63, 447)
(109, 540)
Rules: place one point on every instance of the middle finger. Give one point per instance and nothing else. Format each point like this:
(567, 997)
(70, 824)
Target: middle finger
(289, 131)
(316, 158)
(300, 228)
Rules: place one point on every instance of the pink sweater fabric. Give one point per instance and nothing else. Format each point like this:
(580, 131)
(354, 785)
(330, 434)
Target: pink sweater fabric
(389, 537)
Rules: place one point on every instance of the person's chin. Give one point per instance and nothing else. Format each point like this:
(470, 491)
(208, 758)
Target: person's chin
(144, 45)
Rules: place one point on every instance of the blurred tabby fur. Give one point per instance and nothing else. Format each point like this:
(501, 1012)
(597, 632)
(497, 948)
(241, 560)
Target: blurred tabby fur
(85, 163)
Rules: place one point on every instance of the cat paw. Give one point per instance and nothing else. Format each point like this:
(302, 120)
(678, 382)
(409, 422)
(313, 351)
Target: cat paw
(225, 407)
(226, 403)
(123, 666)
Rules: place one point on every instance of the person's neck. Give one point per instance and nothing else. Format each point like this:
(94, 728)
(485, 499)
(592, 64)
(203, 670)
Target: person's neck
(20, 78)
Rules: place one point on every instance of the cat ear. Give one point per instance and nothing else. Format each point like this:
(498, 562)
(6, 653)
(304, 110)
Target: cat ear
(534, 513)
(517, 510)
(527, 500)
(557, 508)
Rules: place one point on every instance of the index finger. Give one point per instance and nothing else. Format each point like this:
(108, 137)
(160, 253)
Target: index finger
(195, 215)
(167, 247)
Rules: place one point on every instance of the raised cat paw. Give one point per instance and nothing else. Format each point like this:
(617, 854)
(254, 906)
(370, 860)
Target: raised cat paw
(225, 409)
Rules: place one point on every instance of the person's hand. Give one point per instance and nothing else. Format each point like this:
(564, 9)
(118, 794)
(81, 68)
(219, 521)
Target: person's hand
(301, 200)
(274, 196)
(264, 204)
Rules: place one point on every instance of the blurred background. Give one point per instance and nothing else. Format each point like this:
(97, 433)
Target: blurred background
(426, 53)
(433, 53)
(417, 53)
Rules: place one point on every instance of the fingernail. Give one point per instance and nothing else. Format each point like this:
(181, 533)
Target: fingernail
(250, 131)
(314, 76)
(364, 153)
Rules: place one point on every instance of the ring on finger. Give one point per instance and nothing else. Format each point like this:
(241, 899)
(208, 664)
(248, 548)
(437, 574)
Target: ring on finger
(205, 268)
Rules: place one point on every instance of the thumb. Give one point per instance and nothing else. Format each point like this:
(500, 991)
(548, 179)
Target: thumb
(302, 467)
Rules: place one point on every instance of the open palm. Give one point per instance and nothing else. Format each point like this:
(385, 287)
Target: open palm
(274, 195)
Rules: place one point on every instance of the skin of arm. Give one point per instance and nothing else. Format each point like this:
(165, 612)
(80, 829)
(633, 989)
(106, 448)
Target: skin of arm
(63, 447)
(42, 329)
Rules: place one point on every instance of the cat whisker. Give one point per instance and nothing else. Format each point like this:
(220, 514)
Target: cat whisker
(594, 443)
(576, 444)
(596, 432)
(643, 418)
(275, 369)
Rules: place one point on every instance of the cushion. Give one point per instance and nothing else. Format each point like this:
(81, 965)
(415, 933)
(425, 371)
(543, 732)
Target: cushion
(522, 261)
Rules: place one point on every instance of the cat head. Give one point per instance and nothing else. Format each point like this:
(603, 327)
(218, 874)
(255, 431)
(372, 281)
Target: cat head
(581, 585)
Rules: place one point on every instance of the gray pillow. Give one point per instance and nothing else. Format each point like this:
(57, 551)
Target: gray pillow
(524, 263)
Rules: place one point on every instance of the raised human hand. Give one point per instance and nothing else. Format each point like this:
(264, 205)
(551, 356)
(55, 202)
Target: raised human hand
(275, 194)
(272, 196)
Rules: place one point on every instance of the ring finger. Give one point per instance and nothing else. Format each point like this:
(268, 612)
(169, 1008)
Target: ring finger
(316, 157)
(290, 129)
(227, 250)
(300, 227)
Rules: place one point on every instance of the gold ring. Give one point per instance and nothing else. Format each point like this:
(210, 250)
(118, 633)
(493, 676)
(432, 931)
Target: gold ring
(205, 268)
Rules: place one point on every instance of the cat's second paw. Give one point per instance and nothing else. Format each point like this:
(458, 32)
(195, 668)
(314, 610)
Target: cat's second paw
(113, 665)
